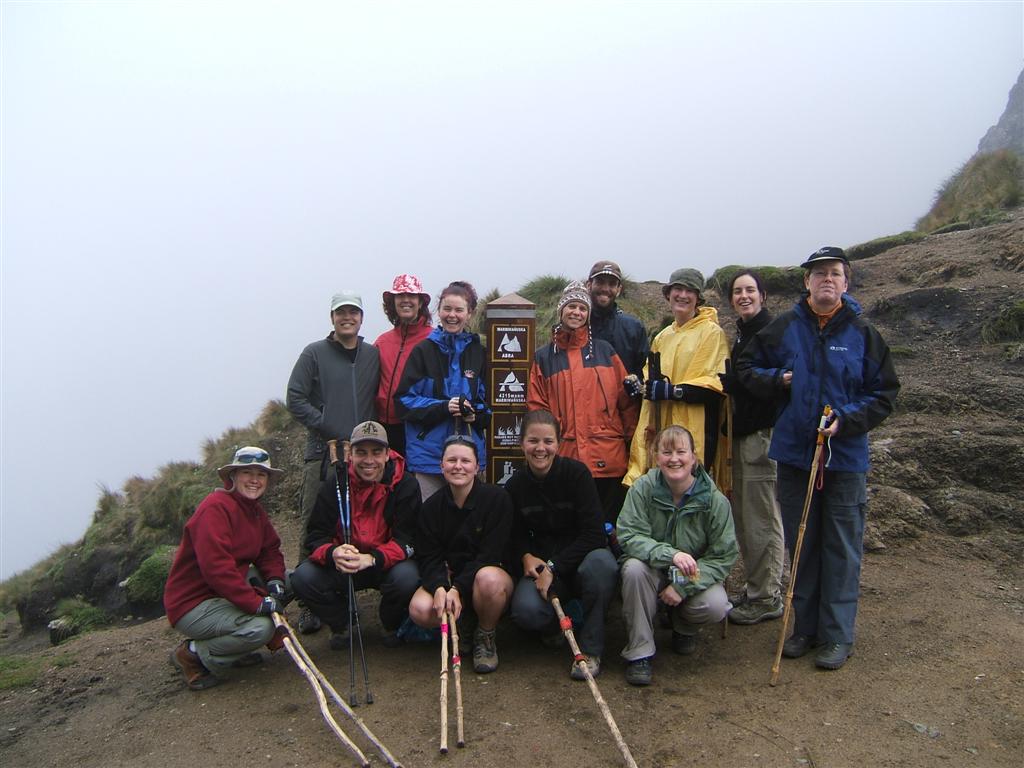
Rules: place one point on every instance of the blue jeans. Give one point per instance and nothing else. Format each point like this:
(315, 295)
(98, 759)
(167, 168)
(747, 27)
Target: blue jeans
(828, 576)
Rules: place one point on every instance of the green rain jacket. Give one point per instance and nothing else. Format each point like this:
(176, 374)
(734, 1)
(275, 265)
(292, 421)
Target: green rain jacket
(652, 529)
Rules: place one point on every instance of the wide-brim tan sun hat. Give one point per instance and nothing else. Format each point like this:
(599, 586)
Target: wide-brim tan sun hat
(249, 456)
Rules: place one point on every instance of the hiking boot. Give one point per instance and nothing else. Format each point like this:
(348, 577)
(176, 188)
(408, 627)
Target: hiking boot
(338, 641)
(309, 622)
(276, 642)
(593, 664)
(197, 677)
(638, 672)
(739, 599)
(485, 651)
(249, 660)
(465, 640)
(833, 655)
(798, 645)
(684, 645)
(391, 639)
(553, 640)
(753, 611)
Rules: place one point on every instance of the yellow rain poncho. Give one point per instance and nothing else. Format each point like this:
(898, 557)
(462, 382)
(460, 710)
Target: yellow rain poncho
(693, 353)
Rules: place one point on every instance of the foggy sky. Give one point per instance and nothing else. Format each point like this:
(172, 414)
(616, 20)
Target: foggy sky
(185, 185)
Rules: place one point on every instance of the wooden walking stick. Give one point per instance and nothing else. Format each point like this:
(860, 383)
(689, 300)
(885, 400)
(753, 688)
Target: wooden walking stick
(281, 621)
(566, 624)
(460, 737)
(444, 683)
(314, 683)
(826, 415)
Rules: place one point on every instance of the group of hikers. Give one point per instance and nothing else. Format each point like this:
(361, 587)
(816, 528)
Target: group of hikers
(632, 452)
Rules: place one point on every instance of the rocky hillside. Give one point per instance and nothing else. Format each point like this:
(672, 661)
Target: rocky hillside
(1008, 132)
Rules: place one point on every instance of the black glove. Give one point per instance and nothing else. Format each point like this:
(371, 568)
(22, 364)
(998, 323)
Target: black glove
(633, 385)
(687, 393)
(730, 384)
(662, 390)
(275, 588)
(268, 606)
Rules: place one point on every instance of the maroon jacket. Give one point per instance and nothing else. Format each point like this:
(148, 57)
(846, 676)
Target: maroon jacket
(226, 534)
(394, 347)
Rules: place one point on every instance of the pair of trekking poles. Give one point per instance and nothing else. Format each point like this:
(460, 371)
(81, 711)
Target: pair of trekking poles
(450, 629)
(355, 630)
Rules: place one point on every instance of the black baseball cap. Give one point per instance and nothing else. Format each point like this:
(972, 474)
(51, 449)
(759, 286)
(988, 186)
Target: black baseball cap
(828, 253)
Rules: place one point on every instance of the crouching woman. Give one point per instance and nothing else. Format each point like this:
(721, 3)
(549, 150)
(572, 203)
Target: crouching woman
(678, 542)
(208, 596)
(462, 535)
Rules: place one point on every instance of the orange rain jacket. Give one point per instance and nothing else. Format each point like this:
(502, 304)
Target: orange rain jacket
(581, 384)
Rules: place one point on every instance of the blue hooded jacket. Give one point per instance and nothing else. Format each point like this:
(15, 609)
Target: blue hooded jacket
(846, 365)
(442, 366)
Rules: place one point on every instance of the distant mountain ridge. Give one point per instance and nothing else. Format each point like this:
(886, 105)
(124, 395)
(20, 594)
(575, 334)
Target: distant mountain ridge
(1008, 132)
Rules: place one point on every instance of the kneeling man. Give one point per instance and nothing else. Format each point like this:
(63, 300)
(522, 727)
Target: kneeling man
(385, 503)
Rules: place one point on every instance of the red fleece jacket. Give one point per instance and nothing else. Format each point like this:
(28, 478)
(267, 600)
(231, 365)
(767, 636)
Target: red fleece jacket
(226, 534)
(374, 526)
(394, 347)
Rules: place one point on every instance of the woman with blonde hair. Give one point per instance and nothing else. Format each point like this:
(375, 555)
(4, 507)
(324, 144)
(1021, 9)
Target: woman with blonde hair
(678, 546)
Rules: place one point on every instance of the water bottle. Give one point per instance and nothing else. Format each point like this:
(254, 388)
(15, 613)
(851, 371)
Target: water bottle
(613, 540)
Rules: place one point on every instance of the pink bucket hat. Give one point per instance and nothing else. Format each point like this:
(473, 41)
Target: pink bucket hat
(407, 284)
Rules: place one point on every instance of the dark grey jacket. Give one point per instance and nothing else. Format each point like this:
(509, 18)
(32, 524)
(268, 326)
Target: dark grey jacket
(329, 394)
(625, 333)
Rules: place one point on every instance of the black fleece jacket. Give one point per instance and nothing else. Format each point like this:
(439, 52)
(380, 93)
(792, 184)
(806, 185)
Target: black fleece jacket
(750, 413)
(462, 540)
(557, 517)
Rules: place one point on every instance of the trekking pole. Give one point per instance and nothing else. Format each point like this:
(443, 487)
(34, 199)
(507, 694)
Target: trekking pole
(353, 605)
(566, 624)
(444, 683)
(460, 737)
(282, 622)
(332, 448)
(314, 683)
(654, 418)
(826, 416)
(354, 629)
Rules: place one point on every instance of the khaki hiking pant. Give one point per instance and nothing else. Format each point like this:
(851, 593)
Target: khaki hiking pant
(755, 514)
(640, 587)
(223, 633)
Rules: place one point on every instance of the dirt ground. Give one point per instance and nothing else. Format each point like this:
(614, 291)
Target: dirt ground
(937, 679)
